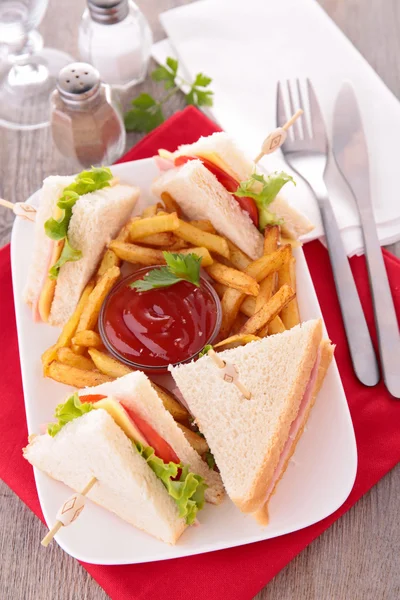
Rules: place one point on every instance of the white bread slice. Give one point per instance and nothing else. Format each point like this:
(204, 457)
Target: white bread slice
(247, 436)
(94, 446)
(201, 196)
(51, 190)
(241, 167)
(96, 219)
(137, 393)
(327, 350)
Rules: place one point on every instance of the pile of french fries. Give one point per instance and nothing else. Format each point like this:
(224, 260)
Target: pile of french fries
(258, 298)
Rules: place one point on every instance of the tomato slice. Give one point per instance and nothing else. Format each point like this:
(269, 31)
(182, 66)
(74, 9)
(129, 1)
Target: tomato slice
(92, 398)
(161, 448)
(229, 183)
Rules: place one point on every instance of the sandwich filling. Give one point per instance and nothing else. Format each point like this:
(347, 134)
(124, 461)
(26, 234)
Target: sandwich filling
(253, 195)
(186, 488)
(294, 428)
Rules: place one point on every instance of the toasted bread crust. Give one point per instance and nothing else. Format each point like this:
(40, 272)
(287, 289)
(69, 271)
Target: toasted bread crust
(256, 495)
(327, 351)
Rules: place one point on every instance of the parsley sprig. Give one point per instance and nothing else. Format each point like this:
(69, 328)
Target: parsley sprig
(264, 191)
(147, 113)
(56, 229)
(180, 267)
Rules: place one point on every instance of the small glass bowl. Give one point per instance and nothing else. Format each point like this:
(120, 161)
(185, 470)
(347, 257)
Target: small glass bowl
(158, 369)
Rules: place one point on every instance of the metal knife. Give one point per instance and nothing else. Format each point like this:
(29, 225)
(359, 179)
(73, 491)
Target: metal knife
(351, 154)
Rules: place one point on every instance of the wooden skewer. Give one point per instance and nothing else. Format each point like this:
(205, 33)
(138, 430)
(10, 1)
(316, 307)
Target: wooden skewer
(277, 137)
(58, 524)
(20, 209)
(229, 373)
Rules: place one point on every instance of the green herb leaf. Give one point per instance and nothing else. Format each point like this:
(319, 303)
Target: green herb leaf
(205, 350)
(144, 119)
(147, 113)
(264, 191)
(173, 64)
(68, 254)
(202, 80)
(68, 411)
(187, 491)
(57, 229)
(180, 267)
(144, 101)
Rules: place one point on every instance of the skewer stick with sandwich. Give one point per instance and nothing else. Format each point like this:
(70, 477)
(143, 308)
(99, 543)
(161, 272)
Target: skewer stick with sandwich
(76, 219)
(253, 440)
(213, 179)
(146, 470)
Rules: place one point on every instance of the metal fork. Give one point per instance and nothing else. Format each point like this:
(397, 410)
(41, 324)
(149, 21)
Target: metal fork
(306, 151)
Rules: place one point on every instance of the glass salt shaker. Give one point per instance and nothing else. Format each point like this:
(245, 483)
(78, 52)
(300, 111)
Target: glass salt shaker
(115, 37)
(85, 121)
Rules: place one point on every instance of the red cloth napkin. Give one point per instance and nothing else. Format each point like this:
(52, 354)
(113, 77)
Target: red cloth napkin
(241, 572)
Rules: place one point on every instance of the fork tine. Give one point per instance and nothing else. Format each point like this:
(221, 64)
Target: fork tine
(281, 117)
(306, 133)
(317, 121)
(296, 126)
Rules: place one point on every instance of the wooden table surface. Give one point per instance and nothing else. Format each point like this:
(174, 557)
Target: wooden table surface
(357, 558)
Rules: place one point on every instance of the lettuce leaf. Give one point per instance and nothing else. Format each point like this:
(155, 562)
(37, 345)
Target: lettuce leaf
(263, 195)
(57, 229)
(68, 411)
(187, 490)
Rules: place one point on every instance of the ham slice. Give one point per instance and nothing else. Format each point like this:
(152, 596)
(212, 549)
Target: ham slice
(164, 164)
(295, 427)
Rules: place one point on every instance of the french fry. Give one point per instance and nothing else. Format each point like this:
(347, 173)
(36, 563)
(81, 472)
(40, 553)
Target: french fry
(267, 286)
(233, 278)
(170, 204)
(164, 239)
(74, 377)
(236, 340)
(157, 224)
(108, 365)
(110, 259)
(150, 211)
(193, 235)
(269, 310)
(248, 306)
(274, 326)
(67, 357)
(206, 258)
(238, 259)
(204, 226)
(178, 245)
(259, 269)
(220, 288)
(87, 338)
(176, 409)
(68, 330)
(92, 307)
(293, 243)
(196, 441)
(287, 275)
(137, 254)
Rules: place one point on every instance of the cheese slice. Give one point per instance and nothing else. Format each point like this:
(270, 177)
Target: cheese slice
(121, 417)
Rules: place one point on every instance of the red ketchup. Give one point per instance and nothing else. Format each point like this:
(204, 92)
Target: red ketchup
(162, 326)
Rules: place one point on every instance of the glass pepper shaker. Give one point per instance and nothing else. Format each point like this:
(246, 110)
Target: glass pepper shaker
(115, 37)
(85, 121)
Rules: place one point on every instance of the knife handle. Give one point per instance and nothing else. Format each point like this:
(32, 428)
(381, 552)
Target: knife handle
(362, 351)
(385, 314)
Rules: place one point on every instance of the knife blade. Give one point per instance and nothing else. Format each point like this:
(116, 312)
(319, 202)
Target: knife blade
(351, 154)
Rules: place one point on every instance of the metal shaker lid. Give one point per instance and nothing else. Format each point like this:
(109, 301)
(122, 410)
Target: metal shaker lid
(77, 82)
(108, 12)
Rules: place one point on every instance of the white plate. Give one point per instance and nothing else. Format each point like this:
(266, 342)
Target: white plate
(317, 482)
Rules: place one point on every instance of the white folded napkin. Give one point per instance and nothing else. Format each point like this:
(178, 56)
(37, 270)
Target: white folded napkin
(246, 47)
